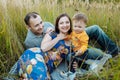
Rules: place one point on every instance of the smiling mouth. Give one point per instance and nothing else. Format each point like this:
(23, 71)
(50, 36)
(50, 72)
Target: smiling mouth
(65, 28)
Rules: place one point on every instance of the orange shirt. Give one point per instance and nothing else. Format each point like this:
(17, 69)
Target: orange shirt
(79, 41)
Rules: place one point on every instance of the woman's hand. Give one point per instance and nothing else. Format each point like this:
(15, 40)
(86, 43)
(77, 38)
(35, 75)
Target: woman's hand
(52, 42)
(61, 36)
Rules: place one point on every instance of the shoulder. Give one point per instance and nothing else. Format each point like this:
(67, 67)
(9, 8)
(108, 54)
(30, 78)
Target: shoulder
(84, 34)
(30, 35)
(46, 24)
(28, 43)
(30, 39)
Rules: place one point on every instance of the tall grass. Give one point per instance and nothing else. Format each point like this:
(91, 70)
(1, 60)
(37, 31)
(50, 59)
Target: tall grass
(13, 30)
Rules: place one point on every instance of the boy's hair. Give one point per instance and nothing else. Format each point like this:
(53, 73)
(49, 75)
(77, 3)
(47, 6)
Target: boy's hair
(80, 16)
(28, 16)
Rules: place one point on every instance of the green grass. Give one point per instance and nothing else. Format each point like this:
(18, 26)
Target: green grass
(13, 30)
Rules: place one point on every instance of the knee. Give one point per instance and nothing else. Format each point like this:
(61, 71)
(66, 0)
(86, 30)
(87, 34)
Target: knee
(96, 27)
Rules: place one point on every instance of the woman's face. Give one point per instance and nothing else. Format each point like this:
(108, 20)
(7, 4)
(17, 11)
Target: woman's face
(64, 24)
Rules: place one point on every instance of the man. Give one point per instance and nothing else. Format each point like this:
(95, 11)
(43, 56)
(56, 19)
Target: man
(36, 29)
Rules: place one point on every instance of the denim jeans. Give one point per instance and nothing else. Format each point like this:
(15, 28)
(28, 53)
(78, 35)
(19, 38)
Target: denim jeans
(95, 32)
(92, 53)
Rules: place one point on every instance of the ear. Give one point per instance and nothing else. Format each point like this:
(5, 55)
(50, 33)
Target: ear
(28, 27)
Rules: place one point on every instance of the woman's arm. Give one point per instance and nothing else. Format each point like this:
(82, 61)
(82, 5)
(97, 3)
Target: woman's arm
(48, 43)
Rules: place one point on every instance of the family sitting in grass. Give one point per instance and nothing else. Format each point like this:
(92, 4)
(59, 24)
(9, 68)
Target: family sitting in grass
(60, 47)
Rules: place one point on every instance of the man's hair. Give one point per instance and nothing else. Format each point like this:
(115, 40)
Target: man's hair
(28, 16)
(80, 16)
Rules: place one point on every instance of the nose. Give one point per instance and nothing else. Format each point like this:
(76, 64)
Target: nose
(40, 26)
(64, 24)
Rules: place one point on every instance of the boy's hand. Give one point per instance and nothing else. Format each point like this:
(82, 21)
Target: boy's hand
(78, 53)
(75, 65)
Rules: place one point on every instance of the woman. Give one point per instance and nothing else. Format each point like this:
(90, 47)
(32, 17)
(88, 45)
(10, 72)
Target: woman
(55, 41)
(63, 27)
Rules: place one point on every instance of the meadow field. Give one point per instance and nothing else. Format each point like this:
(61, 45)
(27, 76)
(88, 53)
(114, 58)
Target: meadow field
(105, 13)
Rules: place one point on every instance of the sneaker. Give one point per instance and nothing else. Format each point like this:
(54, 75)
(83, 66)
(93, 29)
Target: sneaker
(63, 74)
(107, 56)
(98, 64)
(93, 66)
(67, 75)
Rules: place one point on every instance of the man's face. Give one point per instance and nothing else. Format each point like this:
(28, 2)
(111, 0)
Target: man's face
(36, 25)
(78, 26)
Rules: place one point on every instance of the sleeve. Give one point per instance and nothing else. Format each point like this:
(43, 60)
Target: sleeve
(48, 25)
(84, 42)
(28, 44)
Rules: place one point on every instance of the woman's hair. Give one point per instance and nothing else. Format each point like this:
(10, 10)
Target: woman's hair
(57, 21)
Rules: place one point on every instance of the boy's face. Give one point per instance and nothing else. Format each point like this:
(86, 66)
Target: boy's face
(78, 26)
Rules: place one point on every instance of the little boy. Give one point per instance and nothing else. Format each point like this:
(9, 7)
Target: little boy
(79, 39)
(79, 36)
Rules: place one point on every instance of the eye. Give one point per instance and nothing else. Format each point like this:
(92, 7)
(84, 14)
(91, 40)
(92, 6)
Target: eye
(36, 25)
(41, 22)
(61, 23)
(67, 22)
(75, 26)
(80, 26)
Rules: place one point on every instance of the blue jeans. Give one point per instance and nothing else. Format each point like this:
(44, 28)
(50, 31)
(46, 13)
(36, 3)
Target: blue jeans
(92, 53)
(95, 32)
